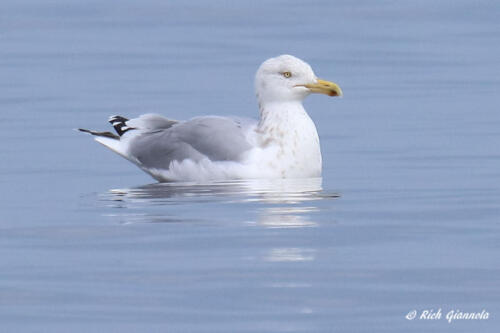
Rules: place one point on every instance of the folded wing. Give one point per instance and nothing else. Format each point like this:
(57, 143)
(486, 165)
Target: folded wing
(215, 138)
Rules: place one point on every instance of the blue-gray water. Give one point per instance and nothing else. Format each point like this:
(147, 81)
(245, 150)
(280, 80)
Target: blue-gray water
(406, 217)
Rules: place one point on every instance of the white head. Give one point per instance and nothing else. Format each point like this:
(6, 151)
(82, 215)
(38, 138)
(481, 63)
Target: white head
(287, 78)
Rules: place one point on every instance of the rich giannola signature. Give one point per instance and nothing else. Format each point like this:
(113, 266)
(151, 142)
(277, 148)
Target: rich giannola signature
(450, 316)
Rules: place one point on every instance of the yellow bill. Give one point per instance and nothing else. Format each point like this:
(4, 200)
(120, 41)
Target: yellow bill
(324, 87)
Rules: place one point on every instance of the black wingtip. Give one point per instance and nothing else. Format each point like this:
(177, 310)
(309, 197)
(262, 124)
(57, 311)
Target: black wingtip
(119, 123)
(117, 118)
(104, 134)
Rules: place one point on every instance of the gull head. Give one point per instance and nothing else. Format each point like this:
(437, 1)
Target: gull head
(287, 79)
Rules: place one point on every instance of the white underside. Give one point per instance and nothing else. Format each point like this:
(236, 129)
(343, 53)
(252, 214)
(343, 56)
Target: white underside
(259, 164)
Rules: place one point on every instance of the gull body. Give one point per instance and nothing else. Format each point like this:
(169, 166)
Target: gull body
(283, 143)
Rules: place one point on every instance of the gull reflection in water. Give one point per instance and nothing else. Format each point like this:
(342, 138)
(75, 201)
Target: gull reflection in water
(286, 217)
(269, 204)
(273, 191)
(278, 203)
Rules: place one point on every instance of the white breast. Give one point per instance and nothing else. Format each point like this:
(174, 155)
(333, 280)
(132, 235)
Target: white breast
(287, 143)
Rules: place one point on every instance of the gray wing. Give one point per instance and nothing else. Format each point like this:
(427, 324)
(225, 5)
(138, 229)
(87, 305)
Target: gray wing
(150, 122)
(216, 138)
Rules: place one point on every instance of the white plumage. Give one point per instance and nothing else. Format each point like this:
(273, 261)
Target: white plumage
(283, 143)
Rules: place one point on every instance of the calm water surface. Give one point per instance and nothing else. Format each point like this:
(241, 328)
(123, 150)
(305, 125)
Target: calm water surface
(406, 216)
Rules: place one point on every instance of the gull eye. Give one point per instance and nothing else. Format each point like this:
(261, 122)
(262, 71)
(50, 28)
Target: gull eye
(287, 74)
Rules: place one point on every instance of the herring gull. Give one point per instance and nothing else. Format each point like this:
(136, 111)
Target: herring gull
(283, 143)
